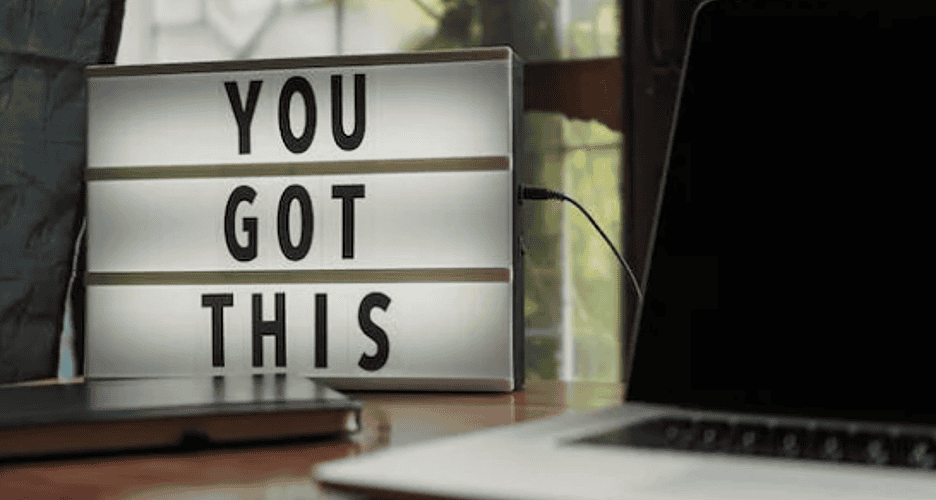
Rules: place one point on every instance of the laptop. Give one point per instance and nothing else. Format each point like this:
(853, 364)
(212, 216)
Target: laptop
(795, 177)
(95, 417)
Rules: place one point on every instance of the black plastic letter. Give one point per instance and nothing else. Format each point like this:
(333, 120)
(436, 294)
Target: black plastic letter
(321, 330)
(377, 334)
(243, 114)
(217, 303)
(297, 144)
(249, 252)
(347, 193)
(343, 141)
(277, 328)
(295, 192)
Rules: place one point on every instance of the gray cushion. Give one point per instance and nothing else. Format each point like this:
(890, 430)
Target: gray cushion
(44, 47)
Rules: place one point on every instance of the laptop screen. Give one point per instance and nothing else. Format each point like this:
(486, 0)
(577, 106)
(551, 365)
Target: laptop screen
(792, 266)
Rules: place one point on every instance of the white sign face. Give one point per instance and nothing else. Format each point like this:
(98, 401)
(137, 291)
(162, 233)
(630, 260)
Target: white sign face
(351, 219)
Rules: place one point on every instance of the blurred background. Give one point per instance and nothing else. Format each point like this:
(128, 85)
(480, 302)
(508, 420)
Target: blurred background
(573, 281)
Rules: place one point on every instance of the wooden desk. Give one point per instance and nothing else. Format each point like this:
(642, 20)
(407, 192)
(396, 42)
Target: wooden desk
(284, 472)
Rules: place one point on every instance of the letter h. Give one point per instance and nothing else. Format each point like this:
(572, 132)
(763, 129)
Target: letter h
(277, 328)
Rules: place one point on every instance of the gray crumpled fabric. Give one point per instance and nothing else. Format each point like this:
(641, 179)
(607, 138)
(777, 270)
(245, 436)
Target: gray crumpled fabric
(44, 48)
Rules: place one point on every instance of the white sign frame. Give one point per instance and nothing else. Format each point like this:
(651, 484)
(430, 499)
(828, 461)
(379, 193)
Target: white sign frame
(218, 226)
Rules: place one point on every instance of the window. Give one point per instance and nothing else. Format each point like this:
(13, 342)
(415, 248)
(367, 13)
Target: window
(573, 281)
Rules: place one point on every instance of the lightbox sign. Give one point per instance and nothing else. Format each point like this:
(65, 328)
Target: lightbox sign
(353, 219)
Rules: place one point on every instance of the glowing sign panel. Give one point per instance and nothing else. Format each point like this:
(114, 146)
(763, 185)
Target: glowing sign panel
(352, 219)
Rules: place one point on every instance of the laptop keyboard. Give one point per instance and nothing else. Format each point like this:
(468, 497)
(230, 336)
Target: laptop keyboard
(905, 450)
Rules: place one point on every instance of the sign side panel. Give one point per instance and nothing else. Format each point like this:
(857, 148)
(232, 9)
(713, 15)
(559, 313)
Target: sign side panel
(517, 136)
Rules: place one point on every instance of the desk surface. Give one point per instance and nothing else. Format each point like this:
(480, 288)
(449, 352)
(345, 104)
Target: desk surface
(284, 471)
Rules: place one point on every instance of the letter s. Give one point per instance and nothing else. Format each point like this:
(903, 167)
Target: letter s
(377, 334)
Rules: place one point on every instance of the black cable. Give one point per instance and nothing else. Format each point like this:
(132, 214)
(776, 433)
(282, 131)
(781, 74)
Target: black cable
(536, 193)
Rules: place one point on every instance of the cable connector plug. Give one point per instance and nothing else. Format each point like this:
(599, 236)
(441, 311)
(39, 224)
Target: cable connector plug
(538, 193)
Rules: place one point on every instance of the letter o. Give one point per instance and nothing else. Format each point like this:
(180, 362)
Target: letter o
(300, 85)
(295, 252)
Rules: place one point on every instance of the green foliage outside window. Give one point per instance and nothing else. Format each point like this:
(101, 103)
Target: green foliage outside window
(573, 281)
